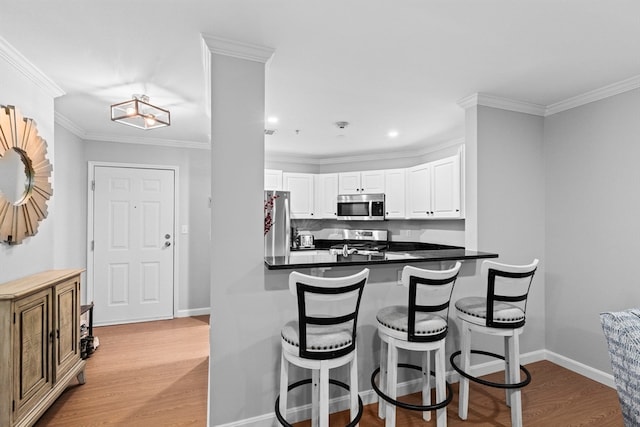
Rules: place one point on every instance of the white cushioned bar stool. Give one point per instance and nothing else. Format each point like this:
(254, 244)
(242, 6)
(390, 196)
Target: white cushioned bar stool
(422, 326)
(322, 338)
(501, 313)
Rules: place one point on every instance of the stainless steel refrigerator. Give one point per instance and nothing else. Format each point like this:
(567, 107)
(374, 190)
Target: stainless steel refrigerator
(277, 223)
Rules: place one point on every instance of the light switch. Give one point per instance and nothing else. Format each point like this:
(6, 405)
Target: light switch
(184, 229)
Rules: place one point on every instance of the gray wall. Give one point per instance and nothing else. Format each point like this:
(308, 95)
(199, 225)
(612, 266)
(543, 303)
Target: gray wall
(511, 200)
(592, 227)
(71, 204)
(34, 254)
(70, 195)
(193, 200)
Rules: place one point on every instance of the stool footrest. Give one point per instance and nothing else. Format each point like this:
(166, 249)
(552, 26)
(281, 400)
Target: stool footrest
(284, 422)
(410, 406)
(521, 384)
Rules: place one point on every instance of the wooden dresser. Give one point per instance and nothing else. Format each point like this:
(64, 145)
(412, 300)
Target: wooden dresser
(39, 343)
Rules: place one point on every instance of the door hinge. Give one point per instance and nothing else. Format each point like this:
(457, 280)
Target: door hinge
(13, 406)
(93, 245)
(93, 185)
(14, 317)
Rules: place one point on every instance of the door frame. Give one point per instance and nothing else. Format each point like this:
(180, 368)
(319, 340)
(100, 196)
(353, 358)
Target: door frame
(90, 222)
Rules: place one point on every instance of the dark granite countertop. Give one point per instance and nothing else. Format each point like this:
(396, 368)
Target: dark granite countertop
(398, 253)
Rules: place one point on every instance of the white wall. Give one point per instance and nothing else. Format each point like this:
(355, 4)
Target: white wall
(35, 253)
(593, 231)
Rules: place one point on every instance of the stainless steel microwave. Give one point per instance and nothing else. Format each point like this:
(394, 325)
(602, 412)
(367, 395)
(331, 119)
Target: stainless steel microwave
(361, 207)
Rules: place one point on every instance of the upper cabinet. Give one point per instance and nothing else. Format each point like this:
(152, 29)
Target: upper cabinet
(272, 179)
(326, 189)
(419, 192)
(301, 187)
(366, 182)
(394, 193)
(446, 187)
(433, 189)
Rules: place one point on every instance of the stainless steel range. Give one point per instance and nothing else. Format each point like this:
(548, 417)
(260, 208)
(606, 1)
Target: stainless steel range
(362, 242)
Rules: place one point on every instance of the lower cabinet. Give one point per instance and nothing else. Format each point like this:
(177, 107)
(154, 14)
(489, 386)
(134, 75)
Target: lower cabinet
(40, 317)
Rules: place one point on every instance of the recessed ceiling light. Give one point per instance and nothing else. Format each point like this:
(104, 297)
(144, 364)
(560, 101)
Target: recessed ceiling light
(272, 119)
(392, 133)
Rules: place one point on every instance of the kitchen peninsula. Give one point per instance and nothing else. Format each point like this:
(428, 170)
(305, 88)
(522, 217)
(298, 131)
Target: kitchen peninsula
(396, 253)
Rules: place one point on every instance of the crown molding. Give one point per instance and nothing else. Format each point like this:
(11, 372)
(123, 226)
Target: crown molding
(541, 110)
(237, 49)
(30, 71)
(206, 64)
(594, 95)
(175, 143)
(80, 133)
(221, 46)
(66, 123)
(382, 155)
(493, 101)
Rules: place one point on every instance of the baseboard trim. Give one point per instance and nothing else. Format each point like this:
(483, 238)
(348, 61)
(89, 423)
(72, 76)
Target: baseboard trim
(193, 312)
(581, 368)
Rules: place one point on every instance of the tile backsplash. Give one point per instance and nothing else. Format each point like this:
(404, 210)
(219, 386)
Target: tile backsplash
(446, 232)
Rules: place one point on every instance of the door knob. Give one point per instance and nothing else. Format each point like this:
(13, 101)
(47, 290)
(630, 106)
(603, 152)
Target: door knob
(167, 244)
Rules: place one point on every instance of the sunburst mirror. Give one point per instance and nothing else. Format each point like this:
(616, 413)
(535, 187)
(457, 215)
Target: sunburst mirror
(25, 174)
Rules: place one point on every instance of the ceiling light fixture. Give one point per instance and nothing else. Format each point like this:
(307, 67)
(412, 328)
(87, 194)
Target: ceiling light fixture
(140, 114)
(392, 133)
(272, 120)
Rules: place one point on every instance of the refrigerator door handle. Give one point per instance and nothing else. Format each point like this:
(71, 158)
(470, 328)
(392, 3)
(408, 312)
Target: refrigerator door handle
(287, 215)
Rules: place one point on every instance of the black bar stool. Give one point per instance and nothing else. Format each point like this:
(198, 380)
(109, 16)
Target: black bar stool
(502, 313)
(422, 326)
(322, 338)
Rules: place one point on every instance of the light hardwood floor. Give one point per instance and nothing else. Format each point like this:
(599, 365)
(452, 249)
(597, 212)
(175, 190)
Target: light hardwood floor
(143, 374)
(155, 374)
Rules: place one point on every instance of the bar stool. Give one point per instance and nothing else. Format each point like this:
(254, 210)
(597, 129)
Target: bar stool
(422, 326)
(501, 313)
(322, 338)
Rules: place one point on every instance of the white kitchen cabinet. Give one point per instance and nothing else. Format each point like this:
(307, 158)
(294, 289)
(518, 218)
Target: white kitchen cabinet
(365, 182)
(272, 179)
(394, 193)
(419, 191)
(445, 199)
(326, 195)
(433, 189)
(302, 197)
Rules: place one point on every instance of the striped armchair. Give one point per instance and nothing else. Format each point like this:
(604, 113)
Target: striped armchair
(622, 331)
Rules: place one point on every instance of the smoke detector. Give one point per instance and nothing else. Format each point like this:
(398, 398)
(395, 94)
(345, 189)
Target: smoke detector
(342, 125)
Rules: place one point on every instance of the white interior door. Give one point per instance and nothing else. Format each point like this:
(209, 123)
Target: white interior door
(133, 259)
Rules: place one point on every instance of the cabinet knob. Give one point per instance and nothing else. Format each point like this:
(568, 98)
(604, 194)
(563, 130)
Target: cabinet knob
(311, 213)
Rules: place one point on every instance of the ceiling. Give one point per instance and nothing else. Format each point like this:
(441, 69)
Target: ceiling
(380, 65)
